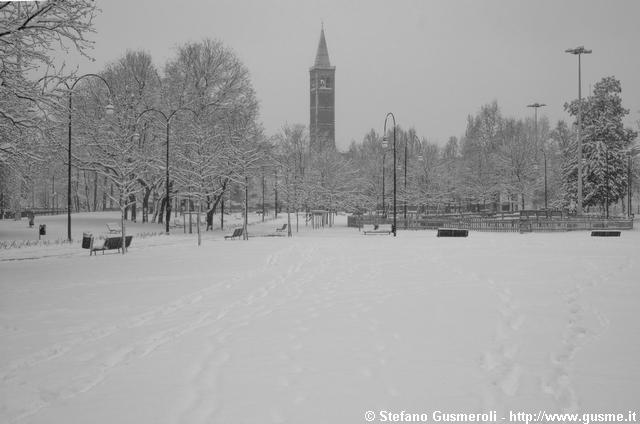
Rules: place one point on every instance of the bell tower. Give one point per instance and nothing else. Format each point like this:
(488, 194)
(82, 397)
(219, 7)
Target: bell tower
(322, 106)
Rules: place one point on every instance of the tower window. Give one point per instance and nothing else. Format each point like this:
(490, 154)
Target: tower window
(325, 82)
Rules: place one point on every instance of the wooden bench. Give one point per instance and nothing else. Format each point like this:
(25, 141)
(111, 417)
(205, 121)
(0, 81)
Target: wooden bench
(113, 228)
(236, 233)
(377, 229)
(452, 232)
(605, 233)
(281, 229)
(110, 243)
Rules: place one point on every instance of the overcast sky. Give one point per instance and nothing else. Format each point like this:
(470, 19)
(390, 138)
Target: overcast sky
(431, 63)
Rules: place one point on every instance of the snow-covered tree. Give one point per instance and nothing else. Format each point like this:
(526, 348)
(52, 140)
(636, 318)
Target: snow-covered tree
(30, 32)
(605, 145)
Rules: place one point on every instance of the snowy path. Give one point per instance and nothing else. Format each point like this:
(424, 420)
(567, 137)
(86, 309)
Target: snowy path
(321, 328)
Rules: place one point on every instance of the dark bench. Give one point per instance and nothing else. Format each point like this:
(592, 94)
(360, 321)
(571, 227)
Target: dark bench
(110, 243)
(236, 233)
(452, 232)
(377, 229)
(605, 233)
(284, 227)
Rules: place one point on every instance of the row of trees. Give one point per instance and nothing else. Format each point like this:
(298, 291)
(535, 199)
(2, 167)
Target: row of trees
(199, 113)
(499, 163)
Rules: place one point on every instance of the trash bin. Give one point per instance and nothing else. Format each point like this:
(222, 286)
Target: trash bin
(43, 229)
(86, 240)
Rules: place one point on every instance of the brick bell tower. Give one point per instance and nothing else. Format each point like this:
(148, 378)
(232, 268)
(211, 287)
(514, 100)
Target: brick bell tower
(322, 107)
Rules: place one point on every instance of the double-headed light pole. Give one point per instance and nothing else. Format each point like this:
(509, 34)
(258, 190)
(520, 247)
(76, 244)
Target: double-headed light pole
(535, 107)
(385, 144)
(167, 120)
(109, 109)
(578, 51)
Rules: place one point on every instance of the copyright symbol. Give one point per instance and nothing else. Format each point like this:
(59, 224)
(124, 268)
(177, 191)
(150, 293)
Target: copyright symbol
(369, 416)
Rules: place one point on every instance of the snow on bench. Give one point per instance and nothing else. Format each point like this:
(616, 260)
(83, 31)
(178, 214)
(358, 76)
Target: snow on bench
(114, 228)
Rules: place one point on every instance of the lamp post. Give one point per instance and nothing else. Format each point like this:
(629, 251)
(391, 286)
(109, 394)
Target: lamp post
(544, 155)
(420, 157)
(275, 189)
(578, 51)
(384, 154)
(385, 143)
(606, 169)
(535, 107)
(406, 142)
(167, 120)
(109, 110)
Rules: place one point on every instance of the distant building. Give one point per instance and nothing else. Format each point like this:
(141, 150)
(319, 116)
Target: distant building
(322, 83)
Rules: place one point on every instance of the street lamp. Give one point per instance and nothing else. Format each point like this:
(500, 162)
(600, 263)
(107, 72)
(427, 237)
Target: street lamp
(109, 109)
(384, 154)
(167, 120)
(420, 159)
(544, 155)
(385, 143)
(535, 107)
(578, 51)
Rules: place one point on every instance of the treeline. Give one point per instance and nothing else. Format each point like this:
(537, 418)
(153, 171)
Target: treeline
(500, 163)
(188, 135)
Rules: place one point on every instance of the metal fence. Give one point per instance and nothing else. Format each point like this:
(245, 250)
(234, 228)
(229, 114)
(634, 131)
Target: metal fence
(499, 223)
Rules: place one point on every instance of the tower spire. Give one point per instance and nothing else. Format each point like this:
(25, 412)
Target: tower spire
(322, 56)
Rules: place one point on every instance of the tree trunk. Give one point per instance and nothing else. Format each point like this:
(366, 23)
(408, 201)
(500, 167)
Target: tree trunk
(167, 205)
(198, 222)
(95, 191)
(133, 205)
(104, 194)
(145, 204)
(163, 204)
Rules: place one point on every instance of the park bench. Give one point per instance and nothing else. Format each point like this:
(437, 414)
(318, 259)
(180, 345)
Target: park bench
(236, 233)
(110, 243)
(113, 228)
(377, 229)
(605, 233)
(452, 232)
(281, 229)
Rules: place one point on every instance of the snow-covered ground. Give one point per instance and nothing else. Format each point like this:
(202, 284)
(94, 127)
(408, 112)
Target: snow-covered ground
(319, 328)
(95, 223)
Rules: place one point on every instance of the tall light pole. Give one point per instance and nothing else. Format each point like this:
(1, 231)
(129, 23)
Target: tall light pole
(406, 142)
(535, 107)
(167, 121)
(384, 154)
(420, 156)
(109, 110)
(578, 51)
(544, 155)
(385, 143)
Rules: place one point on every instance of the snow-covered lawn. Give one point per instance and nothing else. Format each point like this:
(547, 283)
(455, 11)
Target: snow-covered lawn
(96, 223)
(319, 328)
